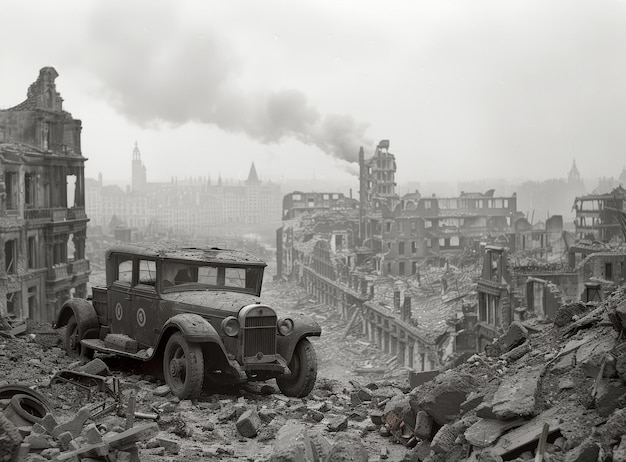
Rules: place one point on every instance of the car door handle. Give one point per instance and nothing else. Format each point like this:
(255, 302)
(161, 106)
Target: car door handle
(129, 298)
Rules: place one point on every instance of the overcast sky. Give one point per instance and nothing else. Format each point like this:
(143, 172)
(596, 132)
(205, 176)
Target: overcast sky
(462, 89)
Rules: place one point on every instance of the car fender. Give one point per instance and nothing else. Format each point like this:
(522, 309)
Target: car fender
(85, 314)
(194, 328)
(303, 326)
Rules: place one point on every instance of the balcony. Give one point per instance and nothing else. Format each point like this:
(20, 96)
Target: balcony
(76, 213)
(50, 214)
(59, 271)
(79, 267)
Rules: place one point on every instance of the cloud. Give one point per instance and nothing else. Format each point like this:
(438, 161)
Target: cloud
(154, 67)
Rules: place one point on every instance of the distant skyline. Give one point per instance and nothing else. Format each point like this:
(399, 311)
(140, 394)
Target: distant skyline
(463, 90)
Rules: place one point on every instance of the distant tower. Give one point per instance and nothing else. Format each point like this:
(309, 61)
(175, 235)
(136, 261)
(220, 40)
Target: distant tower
(138, 181)
(574, 175)
(253, 178)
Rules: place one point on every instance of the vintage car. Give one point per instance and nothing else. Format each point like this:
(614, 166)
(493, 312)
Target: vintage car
(198, 311)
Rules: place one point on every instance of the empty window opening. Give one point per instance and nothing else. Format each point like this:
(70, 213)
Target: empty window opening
(71, 190)
(10, 181)
(29, 190)
(10, 255)
(11, 304)
(32, 252)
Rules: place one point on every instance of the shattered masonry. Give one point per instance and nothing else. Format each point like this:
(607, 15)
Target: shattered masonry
(432, 280)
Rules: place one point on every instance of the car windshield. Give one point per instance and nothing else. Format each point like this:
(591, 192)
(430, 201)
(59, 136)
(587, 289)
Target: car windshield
(177, 276)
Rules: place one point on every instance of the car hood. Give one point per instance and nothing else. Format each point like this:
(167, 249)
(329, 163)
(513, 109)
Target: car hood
(227, 301)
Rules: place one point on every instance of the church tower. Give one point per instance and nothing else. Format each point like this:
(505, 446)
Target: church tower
(574, 175)
(253, 178)
(138, 183)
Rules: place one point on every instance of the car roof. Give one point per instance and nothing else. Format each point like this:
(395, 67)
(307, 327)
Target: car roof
(178, 251)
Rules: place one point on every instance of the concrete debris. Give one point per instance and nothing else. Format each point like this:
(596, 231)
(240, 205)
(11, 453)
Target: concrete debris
(491, 407)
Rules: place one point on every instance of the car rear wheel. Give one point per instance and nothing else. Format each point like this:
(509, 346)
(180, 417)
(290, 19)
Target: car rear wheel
(303, 366)
(73, 336)
(183, 367)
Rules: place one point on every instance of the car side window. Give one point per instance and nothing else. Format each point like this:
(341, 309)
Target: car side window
(147, 272)
(124, 269)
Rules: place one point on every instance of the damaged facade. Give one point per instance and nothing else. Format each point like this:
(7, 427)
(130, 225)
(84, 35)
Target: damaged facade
(42, 205)
(430, 280)
(600, 217)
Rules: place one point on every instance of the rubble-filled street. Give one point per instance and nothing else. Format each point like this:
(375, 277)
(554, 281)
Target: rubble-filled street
(553, 389)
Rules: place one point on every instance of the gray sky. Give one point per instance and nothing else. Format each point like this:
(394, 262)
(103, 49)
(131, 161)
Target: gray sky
(462, 88)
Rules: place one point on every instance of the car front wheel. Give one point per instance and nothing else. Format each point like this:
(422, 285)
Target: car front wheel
(303, 366)
(73, 336)
(183, 367)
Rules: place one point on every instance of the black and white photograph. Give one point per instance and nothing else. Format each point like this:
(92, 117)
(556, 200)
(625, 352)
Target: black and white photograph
(313, 231)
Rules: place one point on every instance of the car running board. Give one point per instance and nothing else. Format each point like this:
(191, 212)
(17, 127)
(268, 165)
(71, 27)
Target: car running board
(99, 345)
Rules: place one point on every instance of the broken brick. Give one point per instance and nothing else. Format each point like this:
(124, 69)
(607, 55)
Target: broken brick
(248, 423)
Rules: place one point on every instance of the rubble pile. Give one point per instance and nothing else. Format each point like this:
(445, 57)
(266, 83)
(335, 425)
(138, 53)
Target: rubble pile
(542, 392)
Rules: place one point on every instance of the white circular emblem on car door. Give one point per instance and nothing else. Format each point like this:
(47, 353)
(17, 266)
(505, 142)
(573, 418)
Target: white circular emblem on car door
(141, 317)
(118, 311)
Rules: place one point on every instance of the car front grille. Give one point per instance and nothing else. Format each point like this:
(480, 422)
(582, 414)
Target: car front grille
(259, 336)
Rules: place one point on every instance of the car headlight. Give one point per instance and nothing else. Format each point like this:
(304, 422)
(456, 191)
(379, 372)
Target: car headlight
(230, 326)
(285, 326)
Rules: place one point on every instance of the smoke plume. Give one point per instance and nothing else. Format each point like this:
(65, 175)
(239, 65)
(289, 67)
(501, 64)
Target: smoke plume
(158, 70)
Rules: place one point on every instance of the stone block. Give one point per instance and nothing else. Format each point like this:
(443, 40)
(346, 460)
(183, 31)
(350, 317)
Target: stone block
(38, 441)
(248, 423)
(515, 336)
(585, 452)
(64, 440)
(423, 425)
(170, 445)
(49, 423)
(38, 428)
(292, 444)
(515, 397)
(91, 434)
(348, 449)
(132, 435)
(443, 396)
(609, 392)
(338, 424)
(10, 439)
(486, 431)
(95, 367)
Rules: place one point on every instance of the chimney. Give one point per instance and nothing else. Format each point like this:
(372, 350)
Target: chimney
(364, 287)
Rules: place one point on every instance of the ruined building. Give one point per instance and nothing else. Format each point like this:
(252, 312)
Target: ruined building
(42, 204)
(431, 279)
(600, 217)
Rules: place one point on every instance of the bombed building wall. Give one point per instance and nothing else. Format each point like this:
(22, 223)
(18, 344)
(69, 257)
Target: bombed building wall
(42, 205)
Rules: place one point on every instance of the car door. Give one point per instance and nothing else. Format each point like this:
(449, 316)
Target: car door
(145, 304)
(119, 295)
